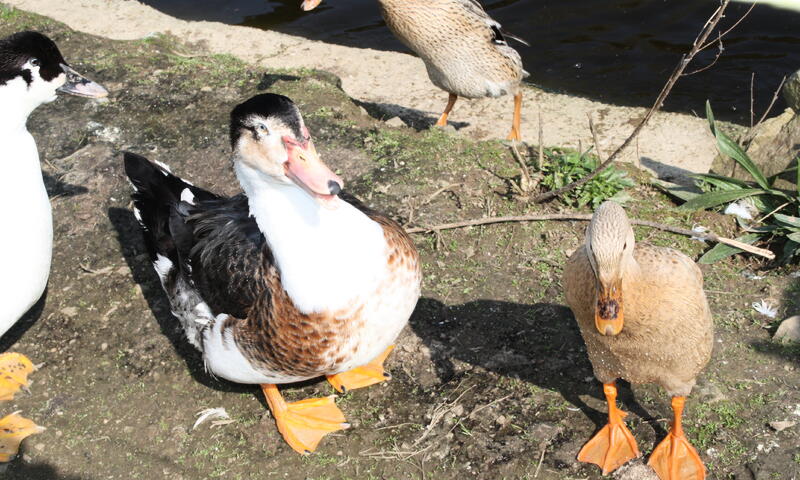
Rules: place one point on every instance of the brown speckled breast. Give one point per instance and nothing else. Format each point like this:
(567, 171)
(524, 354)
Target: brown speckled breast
(276, 337)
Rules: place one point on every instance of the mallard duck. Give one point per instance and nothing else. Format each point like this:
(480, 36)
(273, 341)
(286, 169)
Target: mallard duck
(465, 51)
(32, 72)
(644, 317)
(291, 280)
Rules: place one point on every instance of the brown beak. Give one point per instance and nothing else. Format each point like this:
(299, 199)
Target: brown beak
(608, 315)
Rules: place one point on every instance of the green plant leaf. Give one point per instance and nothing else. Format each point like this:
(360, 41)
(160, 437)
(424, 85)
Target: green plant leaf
(731, 149)
(715, 179)
(713, 199)
(795, 237)
(721, 250)
(787, 220)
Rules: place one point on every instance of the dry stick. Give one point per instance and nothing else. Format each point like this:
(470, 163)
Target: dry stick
(748, 136)
(540, 150)
(698, 45)
(594, 137)
(585, 217)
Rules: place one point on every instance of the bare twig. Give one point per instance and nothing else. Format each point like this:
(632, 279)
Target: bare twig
(748, 136)
(698, 45)
(541, 144)
(526, 182)
(752, 99)
(594, 137)
(585, 217)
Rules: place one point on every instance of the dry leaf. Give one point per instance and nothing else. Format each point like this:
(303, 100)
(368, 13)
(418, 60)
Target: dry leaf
(14, 370)
(13, 430)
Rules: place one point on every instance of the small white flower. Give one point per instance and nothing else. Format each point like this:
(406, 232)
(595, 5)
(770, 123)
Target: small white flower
(794, 274)
(212, 413)
(739, 209)
(699, 229)
(765, 308)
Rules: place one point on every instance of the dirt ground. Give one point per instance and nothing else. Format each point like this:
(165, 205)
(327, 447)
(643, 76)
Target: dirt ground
(490, 379)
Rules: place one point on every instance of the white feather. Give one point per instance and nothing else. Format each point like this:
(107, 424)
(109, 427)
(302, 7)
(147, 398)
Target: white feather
(210, 414)
(162, 265)
(187, 196)
(164, 166)
(326, 257)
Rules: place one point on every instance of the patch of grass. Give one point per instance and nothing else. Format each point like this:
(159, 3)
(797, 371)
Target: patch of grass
(564, 166)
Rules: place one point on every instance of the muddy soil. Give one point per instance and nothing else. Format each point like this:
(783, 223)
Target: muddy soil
(490, 379)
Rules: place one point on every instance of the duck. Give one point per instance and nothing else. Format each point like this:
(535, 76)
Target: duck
(466, 52)
(32, 73)
(290, 280)
(644, 317)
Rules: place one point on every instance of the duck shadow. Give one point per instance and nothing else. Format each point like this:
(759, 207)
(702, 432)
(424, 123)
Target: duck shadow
(417, 119)
(538, 343)
(22, 470)
(21, 327)
(58, 188)
(129, 236)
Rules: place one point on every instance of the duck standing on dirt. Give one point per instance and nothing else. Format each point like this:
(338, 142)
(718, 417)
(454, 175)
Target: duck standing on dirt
(644, 317)
(292, 280)
(32, 72)
(465, 51)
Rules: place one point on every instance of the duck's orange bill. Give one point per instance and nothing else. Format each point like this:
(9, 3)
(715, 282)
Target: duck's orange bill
(608, 315)
(306, 169)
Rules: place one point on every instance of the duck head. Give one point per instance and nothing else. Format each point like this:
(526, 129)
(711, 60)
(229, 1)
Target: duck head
(609, 246)
(33, 71)
(268, 136)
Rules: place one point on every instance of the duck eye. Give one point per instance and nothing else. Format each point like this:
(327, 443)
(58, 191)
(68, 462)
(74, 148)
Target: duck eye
(262, 128)
(35, 62)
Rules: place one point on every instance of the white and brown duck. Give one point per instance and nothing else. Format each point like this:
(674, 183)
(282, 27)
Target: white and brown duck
(291, 280)
(644, 317)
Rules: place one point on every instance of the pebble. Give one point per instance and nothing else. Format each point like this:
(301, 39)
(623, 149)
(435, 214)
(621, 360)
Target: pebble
(781, 426)
(395, 122)
(103, 346)
(789, 330)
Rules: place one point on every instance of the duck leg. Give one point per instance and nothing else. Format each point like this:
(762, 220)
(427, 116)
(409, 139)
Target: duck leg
(614, 444)
(304, 423)
(451, 100)
(364, 376)
(515, 135)
(675, 458)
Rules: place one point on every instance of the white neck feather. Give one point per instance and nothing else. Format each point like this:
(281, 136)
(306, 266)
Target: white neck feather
(19, 100)
(326, 258)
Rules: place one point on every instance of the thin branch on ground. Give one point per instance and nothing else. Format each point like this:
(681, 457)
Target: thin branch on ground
(540, 150)
(585, 217)
(748, 136)
(699, 44)
(526, 183)
(594, 137)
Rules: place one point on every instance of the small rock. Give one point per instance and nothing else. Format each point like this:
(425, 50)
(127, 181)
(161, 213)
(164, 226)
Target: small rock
(39, 446)
(69, 311)
(781, 426)
(789, 330)
(791, 91)
(103, 346)
(395, 122)
(709, 392)
(635, 470)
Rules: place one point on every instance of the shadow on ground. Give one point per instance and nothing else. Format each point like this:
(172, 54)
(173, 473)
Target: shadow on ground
(538, 343)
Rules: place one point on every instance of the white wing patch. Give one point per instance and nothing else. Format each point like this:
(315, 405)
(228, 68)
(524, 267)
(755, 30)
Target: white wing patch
(163, 265)
(187, 196)
(164, 166)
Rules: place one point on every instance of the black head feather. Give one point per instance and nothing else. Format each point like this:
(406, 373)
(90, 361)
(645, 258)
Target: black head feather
(265, 105)
(18, 49)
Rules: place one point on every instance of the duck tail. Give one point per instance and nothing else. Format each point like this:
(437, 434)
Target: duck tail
(158, 195)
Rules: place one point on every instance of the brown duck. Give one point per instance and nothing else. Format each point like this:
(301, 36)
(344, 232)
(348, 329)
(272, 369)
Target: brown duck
(465, 51)
(644, 317)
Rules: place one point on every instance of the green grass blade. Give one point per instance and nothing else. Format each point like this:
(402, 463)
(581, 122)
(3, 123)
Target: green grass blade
(788, 220)
(721, 250)
(713, 199)
(731, 149)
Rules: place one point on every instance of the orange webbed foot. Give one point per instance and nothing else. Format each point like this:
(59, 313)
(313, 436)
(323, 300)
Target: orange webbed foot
(303, 423)
(13, 430)
(611, 448)
(363, 376)
(614, 444)
(14, 370)
(675, 458)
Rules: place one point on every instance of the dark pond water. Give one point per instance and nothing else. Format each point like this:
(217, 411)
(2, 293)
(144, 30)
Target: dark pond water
(612, 50)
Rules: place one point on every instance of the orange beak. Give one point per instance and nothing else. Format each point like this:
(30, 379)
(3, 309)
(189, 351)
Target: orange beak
(310, 4)
(305, 168)
(608, 315)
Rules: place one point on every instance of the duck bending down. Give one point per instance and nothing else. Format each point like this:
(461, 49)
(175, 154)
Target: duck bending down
(644, 317)
(292, 280)
(465, 51)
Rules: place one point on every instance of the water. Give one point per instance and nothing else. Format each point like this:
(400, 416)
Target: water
(617, 51)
